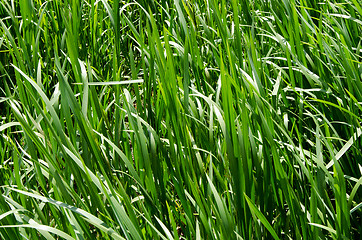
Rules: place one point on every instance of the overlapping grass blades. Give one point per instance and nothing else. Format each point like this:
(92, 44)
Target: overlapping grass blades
(180, 119)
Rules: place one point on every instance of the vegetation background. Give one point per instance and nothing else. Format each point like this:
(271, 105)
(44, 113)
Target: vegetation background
(180, 119)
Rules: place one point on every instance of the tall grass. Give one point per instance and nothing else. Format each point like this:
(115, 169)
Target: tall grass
(180, 119)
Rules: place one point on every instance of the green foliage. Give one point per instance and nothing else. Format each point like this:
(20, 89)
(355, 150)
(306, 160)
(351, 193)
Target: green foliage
(182, 119)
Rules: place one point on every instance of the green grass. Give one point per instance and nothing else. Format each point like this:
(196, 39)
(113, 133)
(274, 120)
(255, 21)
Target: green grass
(184, 119)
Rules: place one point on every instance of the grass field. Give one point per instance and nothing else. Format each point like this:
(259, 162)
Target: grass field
(183, 119)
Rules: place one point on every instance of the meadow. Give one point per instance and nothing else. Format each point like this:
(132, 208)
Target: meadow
(180, 119)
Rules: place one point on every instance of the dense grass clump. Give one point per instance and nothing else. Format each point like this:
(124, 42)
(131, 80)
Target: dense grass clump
(184, 119)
